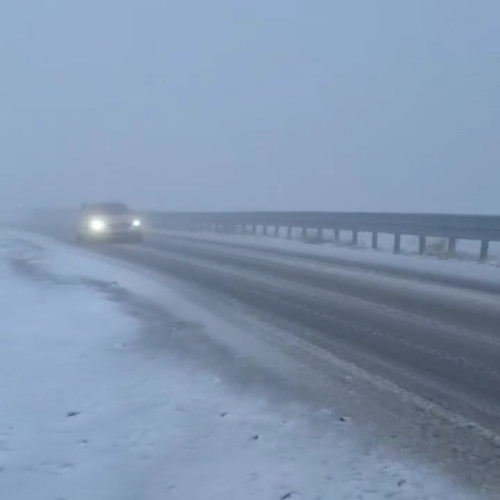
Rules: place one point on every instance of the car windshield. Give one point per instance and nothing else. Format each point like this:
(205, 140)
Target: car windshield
(109, 208)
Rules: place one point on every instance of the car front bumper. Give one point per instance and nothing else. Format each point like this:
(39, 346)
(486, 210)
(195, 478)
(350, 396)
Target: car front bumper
(111, 234)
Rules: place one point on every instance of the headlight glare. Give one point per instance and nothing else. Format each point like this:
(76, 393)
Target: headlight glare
(97, 225)
(136, 223)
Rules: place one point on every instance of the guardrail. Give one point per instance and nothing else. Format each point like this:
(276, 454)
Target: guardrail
(483, 228)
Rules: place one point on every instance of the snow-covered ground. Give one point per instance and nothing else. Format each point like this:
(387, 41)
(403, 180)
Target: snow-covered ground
(466, 267)
(89, 412)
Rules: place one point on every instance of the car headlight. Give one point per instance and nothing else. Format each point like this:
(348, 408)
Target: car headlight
(97, 225)
(136, 223)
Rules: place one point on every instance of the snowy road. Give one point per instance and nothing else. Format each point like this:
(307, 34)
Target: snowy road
(441, 342)
(414, 363)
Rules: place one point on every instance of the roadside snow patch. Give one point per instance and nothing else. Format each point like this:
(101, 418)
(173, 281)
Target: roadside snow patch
(88, 413)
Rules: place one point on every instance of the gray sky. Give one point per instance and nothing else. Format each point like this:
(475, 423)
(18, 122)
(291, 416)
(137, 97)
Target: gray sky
(263, 104)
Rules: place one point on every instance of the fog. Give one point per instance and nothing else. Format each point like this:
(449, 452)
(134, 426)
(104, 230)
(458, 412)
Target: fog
(246, 105)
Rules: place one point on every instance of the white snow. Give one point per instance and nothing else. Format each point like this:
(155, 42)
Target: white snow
(467, 268)
(87, 412)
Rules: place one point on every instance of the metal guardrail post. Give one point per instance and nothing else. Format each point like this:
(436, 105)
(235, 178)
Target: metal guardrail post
(485, 244)
(354, 238)
(397, 243)
(452, 245)
(422, 245)
(320, 234)
(337, 234)
(375, 240)
(276, 231)
(289, 232)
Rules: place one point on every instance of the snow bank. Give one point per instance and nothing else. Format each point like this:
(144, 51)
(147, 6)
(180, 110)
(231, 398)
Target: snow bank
(437, 247)
(471, 269)
(89, 413)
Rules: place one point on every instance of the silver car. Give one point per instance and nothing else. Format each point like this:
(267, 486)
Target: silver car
(108, 222)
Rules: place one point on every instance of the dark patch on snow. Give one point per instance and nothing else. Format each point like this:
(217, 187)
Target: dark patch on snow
(73, 414)
(136, 306)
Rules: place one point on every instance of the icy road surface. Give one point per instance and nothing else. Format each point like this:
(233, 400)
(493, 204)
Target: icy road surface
(97, 402)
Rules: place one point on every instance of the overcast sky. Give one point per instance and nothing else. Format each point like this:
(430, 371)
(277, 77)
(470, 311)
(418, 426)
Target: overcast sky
(263, 104)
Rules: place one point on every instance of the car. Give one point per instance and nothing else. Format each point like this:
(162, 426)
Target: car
(108, 222)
